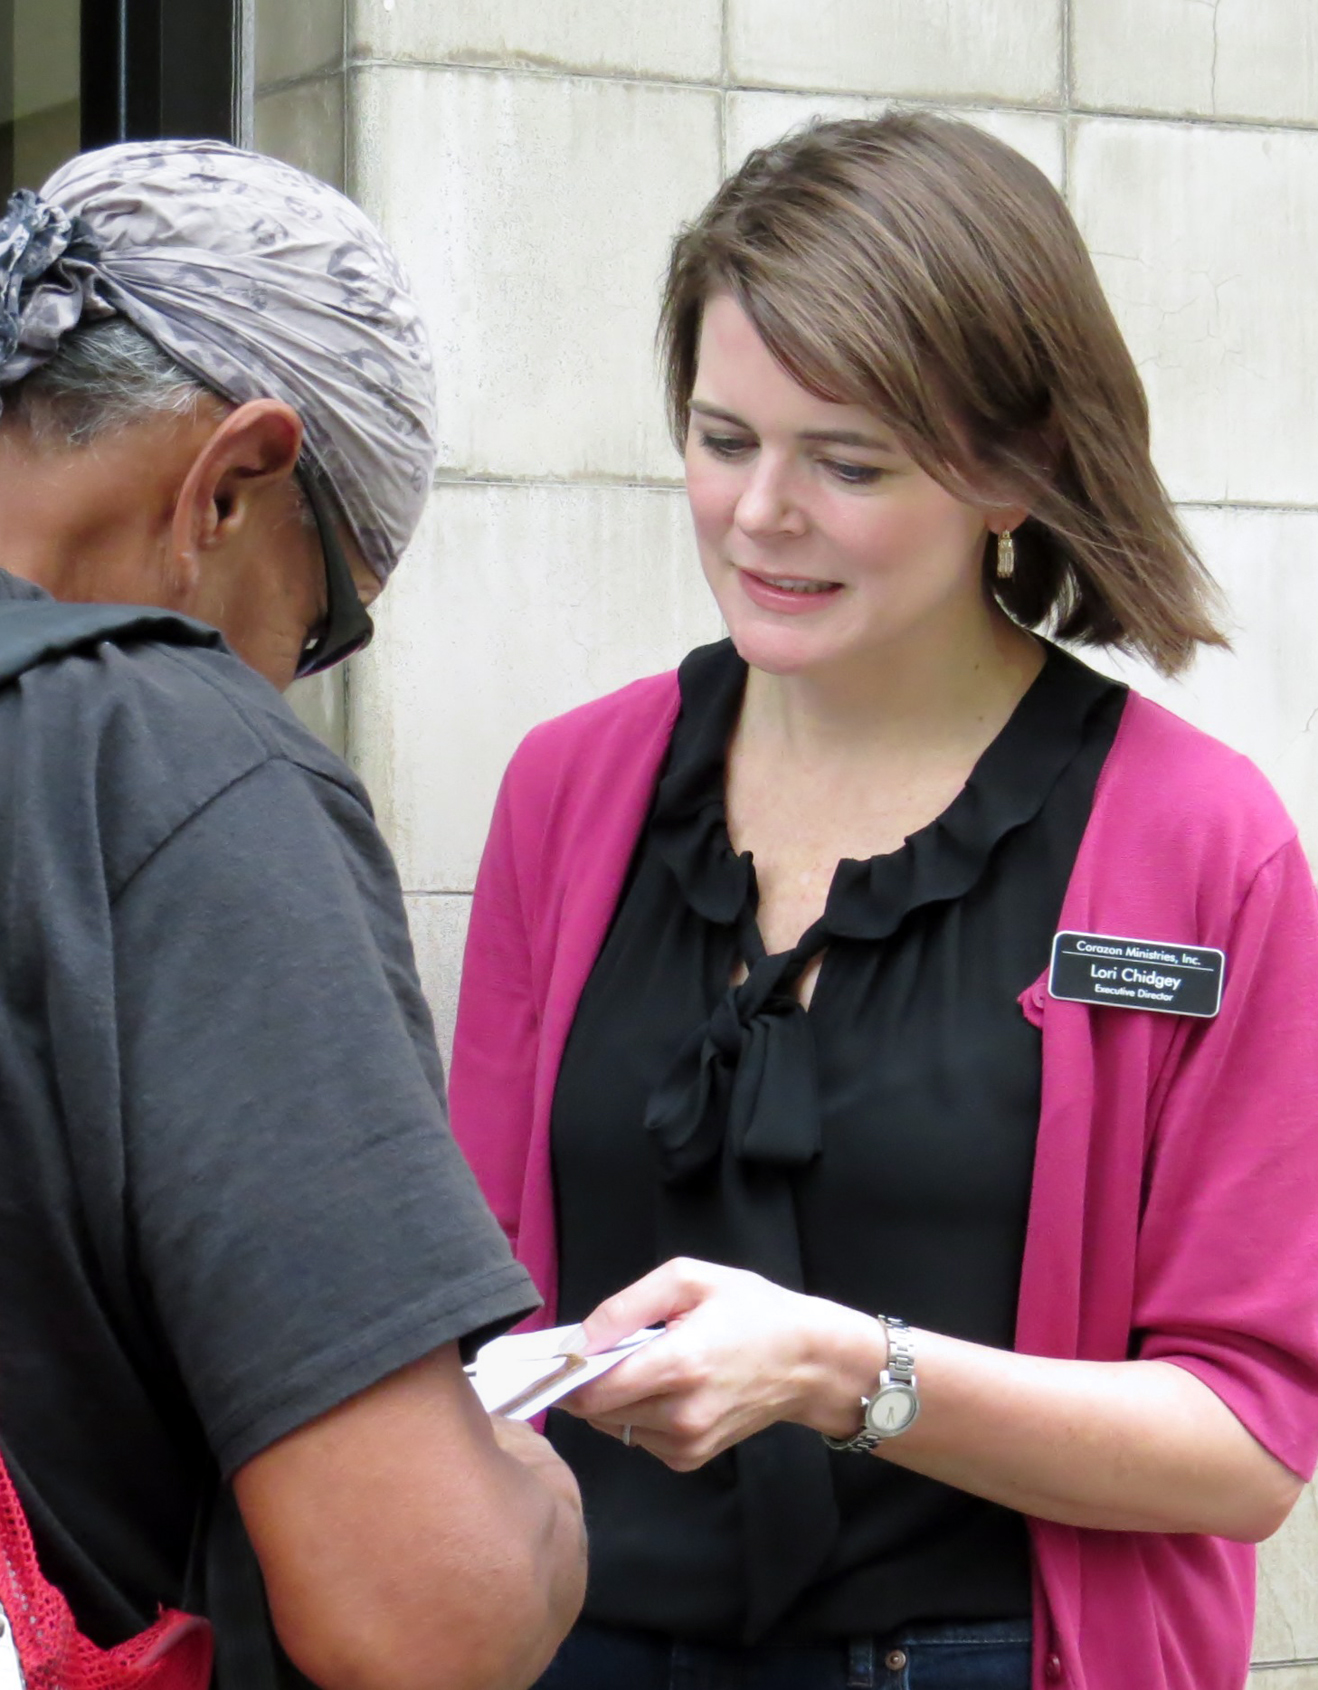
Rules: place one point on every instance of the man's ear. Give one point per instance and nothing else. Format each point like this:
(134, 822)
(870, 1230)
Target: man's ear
(250, 455)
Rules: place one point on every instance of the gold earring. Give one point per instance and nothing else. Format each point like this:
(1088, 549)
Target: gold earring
(1006, 555)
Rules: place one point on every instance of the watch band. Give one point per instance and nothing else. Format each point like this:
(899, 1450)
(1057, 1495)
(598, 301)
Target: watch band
(897, 1378)
(901, 1350)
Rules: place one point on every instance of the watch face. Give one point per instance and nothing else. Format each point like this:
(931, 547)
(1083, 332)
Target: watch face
(892, 1410)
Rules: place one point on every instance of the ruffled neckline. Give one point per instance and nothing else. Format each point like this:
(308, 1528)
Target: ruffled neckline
(942, 861)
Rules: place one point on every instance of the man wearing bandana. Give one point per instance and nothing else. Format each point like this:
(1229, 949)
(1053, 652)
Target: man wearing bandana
(239, 1253)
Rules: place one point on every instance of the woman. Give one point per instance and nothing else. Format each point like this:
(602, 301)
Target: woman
(758, 1037)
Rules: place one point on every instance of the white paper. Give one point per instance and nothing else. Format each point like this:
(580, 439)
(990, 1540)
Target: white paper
(508, 1367)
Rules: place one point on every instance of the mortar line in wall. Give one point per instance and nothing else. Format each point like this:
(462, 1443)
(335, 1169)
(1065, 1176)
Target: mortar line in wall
(546, 72)
(1068, 96)
(1284, 1666)
(345, 114)
(623, 485)
(1247, 506)
(958, 103)
(245, 91)
(595, 484)
(349, 136)
(349, 737)
(303, 79)
(437, 892)
(725, 72)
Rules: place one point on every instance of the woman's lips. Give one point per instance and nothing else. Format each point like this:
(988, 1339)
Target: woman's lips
(796, 595)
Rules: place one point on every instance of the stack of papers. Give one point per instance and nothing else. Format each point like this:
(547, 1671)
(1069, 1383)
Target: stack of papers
(520, 1375)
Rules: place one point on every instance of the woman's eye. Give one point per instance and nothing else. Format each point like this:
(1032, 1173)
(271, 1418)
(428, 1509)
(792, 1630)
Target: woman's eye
(724, 445)
(854, 475)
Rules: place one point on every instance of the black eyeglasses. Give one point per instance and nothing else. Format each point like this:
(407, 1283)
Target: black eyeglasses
(347, 626)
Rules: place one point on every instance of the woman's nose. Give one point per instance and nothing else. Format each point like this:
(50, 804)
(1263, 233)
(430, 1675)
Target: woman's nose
(768, 504)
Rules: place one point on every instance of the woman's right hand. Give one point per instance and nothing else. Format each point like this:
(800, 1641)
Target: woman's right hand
(738, 1354)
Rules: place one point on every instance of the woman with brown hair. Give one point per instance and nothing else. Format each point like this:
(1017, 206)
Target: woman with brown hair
(888, 958)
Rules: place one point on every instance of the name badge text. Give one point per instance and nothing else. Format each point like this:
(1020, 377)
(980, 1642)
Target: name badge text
(1137, 974)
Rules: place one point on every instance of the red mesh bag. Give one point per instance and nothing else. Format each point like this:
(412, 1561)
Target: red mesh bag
(173, 1654)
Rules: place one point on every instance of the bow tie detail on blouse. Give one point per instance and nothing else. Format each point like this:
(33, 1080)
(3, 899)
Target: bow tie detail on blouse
(736, 1115)
(747, 1076)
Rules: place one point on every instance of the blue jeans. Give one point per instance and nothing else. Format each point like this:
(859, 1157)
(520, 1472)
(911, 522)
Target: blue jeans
(979, 1655)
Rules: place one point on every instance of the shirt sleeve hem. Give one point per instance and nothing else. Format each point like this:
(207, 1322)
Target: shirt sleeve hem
(483, 1304)
(1246, 1409)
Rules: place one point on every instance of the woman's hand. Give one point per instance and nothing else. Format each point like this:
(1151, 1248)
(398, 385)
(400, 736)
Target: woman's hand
(739, 1353)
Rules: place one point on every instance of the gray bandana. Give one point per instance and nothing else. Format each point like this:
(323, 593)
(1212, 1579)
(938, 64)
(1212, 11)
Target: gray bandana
(259, 280)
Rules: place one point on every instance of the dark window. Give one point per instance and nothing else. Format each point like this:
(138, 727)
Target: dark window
(82, 73)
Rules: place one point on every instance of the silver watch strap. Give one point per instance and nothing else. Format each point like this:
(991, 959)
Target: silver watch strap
(901, 1349)
(900, 1369)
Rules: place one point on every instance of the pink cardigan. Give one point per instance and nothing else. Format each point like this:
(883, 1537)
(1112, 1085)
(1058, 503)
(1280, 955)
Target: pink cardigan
(1174, 1209)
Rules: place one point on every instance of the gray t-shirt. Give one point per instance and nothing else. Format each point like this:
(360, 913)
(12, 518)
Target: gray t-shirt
(228, 1195)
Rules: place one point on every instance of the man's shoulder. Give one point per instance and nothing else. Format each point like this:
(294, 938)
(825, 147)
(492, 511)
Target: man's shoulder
(206, 696)
(149, 734)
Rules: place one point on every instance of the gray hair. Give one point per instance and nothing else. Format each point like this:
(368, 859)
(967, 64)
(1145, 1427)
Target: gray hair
(104, 377)
(259, 282)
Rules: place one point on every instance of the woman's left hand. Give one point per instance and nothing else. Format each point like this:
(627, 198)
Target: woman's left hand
(739, 1353)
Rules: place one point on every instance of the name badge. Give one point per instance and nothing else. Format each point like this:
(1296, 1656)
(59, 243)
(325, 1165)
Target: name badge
(1137, 974)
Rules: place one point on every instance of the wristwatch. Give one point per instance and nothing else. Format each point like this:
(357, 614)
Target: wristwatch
(895, 1405)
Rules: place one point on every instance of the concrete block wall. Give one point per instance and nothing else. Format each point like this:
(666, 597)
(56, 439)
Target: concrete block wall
(299, 84)
(531, 159)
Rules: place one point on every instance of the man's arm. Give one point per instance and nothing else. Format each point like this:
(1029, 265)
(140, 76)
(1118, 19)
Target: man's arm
(315, 1246)
(410, 1542)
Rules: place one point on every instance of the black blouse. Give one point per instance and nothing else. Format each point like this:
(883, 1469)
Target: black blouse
(876, 1150)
